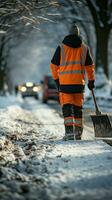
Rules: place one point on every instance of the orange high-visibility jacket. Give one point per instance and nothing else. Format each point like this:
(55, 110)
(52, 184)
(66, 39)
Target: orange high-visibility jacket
(71, 70)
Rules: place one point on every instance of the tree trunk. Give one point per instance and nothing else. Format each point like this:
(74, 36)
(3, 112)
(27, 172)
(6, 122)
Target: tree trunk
(102, 35)
(2, 75)
(3, 64)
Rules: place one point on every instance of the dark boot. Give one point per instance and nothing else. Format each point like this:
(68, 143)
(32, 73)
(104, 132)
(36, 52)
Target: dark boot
(78, 132)
(67, 112)
(69, 133)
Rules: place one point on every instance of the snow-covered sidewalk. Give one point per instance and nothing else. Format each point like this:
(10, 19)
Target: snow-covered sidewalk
(35, 164)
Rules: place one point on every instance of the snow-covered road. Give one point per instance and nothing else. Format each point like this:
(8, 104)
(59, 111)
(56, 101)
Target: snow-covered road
(35, 164)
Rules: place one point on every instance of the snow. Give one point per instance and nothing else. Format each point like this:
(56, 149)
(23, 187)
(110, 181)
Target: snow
(36, 164)
(103, 92)
(2, 32)
(9, 100)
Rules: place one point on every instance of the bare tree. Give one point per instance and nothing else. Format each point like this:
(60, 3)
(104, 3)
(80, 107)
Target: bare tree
(73, 12)
(102, 15)
(92, 13)
(17, 19)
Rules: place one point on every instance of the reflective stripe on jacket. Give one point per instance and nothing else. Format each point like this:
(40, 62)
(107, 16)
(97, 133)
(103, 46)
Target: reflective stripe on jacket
(71, 71)
(72, 68)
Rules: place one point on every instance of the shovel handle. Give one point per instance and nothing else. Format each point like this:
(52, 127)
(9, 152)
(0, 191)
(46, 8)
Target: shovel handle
(96, 106)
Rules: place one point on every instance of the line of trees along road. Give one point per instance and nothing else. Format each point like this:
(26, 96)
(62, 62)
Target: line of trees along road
(18, 18)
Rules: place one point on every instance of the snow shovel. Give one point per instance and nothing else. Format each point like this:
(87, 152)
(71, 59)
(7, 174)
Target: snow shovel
(101, 122)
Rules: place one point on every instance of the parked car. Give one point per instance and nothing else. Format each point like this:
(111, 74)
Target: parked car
(49, 89)
(29, 89)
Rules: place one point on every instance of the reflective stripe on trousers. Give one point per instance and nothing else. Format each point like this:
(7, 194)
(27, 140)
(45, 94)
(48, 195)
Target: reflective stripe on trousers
(72, 121)
(72, 115)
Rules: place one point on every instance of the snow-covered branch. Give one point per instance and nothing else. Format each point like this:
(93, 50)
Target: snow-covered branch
(24, 11)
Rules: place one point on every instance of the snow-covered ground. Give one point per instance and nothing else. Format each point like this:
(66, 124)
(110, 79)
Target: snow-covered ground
(35, 164)
(103, 93)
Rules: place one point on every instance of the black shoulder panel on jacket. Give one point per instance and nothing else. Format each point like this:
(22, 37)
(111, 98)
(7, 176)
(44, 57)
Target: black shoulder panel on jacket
(89, 59)
(56, 57)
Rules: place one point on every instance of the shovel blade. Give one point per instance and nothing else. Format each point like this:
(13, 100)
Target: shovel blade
(102, 126)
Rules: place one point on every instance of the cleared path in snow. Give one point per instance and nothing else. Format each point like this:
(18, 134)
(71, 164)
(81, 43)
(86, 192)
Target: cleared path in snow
(76, 169)
(54, 124)
(37, 164)
(80, 170)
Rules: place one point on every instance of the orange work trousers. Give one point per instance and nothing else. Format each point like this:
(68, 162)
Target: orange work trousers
(76, 99)
(72, 108)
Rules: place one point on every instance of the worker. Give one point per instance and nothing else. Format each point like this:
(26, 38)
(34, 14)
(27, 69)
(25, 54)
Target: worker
(70, 61)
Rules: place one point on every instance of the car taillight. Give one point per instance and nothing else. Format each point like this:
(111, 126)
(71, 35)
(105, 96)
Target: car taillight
(46, 87)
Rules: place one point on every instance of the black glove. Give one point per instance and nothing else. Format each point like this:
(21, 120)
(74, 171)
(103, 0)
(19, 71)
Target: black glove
(57, 84)
(91, 84)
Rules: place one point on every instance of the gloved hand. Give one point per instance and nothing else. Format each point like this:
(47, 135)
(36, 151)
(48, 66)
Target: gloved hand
(57, 84)
(91, 84)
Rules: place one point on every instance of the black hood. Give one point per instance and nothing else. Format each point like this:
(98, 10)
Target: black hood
(73, 41)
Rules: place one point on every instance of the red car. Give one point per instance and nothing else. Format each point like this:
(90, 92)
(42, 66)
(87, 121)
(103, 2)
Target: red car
(49, 89)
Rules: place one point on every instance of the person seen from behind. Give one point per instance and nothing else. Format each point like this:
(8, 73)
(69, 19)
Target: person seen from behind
(70, 61)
